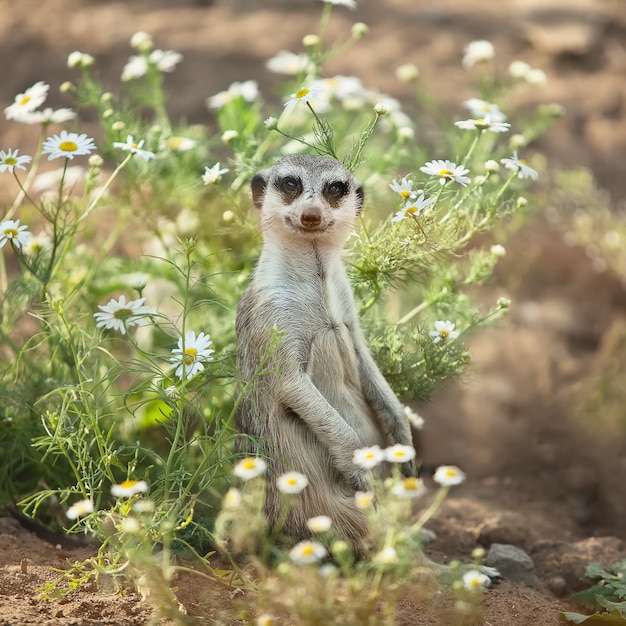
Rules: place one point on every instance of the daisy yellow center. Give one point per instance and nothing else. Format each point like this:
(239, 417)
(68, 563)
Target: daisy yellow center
(68, 146)
(444, 333)
(302, 93)
(410, 210)
(175, 143)
(122, 314)
(450, 473)
(411, 484)
(369, 455)
(399, 453)
(446, 173)
(128, 484)
(405, 193)
(249, 464)
(307, 550)
(10, 233)
(191, 353)
(10, 161)
(25, 100)
(292, 481)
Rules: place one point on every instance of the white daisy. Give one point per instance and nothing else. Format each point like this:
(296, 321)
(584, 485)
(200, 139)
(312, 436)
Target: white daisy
(50, 180)
(134, 148)
(266, 620)
(399, 453)
(536, 77)
(475, 580)
(449, 475)
(409, 488)
(484, 123)
(289, 63)
(48, 116)
(129, 488)
(191, 354)
(141, 40)
(417, 421)
(250, 467)
(10, 230)
(165, 60)
(351, 4)
(79, 59)
(480, 108)
(143, 506)
(248, 90)
(180, 144)
(368, 458)
(10, 160)
(478, 52)
(129, 525)
(232, 499)
(119, 314)
(292, 482)
(498, 250)
(412, 209)
(523, 170)
(319, 524)
(307, 552)
(136, 67)
(447, 172)
(28, 101)
(80, 509)
(404, 187)
(364, 499)
(213, 174)
(67, 145)
(38, 244)
(387, 556)
(519, 69)
(444, 330)
(304, 95)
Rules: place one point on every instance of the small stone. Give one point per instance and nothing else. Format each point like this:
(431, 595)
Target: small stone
(513, 563)
(556, 584)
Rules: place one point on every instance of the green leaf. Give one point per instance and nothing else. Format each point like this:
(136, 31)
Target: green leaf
(614, 618)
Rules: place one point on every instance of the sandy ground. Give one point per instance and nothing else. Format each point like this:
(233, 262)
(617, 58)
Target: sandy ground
(542, 476)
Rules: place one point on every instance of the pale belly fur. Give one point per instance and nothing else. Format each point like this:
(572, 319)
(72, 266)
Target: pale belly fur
(334, 371)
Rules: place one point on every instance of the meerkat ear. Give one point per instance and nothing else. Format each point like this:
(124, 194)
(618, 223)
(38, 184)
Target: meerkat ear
(360, 195)
(258, 185)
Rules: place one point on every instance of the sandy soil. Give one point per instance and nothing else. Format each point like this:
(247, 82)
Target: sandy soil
(542, 476)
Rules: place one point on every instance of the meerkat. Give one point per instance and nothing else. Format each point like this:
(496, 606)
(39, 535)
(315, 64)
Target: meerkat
(321, 395)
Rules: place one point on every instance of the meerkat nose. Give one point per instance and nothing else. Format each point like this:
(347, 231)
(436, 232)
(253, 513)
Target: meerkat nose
(311, 217)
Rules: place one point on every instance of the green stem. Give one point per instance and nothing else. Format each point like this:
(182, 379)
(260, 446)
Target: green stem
(432, 509)
(29, 178)
(472, 147)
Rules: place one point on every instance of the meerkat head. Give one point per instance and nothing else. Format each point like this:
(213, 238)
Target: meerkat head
(307, 196)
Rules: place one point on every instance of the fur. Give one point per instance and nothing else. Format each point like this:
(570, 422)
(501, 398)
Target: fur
(321, 396)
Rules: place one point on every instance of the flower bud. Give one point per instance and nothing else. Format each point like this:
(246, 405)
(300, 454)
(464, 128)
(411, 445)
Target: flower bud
(310, 41)
(381, 108)
(407, 73)
(359, 30)
(271, 123)
(141, 41)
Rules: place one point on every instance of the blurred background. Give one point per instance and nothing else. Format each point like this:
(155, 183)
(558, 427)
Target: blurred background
(541, 422)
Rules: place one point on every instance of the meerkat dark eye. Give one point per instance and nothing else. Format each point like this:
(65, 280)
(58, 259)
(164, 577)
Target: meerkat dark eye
(335, 191)
(289, 186)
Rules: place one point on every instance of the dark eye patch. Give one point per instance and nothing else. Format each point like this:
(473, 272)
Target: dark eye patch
(290, 187)
(335, 191)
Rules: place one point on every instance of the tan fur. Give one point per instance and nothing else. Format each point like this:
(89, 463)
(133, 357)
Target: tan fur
(321, 396)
